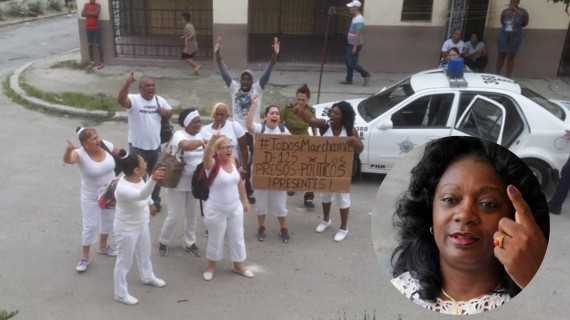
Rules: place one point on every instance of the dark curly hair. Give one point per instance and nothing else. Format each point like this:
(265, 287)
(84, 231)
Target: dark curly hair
(417, 251)
(348, 115)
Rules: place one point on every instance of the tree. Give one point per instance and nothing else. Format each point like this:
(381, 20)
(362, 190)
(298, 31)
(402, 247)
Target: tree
(566, 2)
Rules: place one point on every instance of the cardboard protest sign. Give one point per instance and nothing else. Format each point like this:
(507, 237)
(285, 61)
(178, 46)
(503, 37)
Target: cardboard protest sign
(302, 163)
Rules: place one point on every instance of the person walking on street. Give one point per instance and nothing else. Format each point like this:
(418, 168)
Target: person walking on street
(513, 20)
(69, 7)
(340, 124)
(241, 95)
(97, 169)
(298, 127)
(189, 145)
(355, 42)
(91, 12)
(190, 43)
(223, 211)
(144, 112)
(277, 199)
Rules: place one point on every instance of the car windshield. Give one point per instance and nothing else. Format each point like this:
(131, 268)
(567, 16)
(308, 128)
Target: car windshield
(550, 106)
(372, 107)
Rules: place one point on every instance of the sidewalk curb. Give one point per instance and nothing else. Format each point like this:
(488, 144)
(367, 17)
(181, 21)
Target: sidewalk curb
(54, 107)
(32, 19)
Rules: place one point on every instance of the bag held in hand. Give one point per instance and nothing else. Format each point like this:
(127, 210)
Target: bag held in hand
(174, 166)
(165, 127)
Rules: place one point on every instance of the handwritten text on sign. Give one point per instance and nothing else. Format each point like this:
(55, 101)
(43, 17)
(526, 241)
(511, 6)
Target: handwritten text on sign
(302, 163)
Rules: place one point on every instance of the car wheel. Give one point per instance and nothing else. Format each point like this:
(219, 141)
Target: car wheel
(540, 169)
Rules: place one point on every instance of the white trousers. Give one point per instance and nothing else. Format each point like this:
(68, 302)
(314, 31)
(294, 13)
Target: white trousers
(132, 241)
(95, 221)
(342, 199)
(277, 200)
(222, 221)
(180, 204)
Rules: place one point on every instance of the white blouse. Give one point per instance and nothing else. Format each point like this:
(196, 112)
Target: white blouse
(409, 286)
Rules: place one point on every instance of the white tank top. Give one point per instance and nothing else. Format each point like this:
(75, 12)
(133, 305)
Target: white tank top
(224, 191)
(329, 132)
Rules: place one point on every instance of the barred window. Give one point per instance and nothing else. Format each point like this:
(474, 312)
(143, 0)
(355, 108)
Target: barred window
(417, 10)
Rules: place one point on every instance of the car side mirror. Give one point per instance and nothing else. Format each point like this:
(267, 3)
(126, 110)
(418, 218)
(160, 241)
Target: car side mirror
(386, 125)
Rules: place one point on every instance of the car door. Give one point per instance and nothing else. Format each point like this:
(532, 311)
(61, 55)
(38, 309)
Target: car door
(407, 126)
(483, 118)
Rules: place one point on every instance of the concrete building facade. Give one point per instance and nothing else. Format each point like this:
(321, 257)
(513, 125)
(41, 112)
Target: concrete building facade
(400, 35)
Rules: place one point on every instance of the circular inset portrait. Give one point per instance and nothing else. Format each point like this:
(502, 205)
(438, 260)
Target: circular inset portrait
(461, 225)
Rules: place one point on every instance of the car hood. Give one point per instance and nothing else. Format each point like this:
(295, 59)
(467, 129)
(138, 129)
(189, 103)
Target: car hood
(322, 109)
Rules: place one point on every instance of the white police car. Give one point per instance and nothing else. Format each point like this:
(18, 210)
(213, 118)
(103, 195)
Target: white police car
(429, 105)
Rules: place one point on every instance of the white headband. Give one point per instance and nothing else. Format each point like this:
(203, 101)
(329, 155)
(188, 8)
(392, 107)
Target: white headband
(191, 116)
(79, 131)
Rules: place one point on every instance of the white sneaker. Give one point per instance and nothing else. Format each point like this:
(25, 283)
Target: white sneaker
(323, 225)
(129, 300)
(157, 282)
(208, 275)
(82, 265)
(340, 235)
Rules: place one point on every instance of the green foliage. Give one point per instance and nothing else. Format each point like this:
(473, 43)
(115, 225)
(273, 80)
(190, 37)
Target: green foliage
(16, 10)
(36, 7)
(54, 5)
(566, 2)
(97, 101)
(5, 315)
(73, 64)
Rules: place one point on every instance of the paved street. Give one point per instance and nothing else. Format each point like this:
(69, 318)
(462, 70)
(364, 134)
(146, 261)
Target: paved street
(310, 278)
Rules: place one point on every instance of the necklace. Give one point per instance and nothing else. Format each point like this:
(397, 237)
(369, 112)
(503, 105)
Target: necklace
(458, 305)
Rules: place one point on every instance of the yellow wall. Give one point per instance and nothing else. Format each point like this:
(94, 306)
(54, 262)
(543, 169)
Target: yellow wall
(230, 11)
(103, 15)
(542, 14)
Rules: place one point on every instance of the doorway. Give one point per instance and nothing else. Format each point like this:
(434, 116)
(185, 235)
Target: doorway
(475, 19)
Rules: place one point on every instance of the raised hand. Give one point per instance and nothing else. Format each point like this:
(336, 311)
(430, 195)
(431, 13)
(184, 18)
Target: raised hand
(159, 173)
(218, 45)
(276, 46)
(69, 147)
(131, 78)
(523, 244)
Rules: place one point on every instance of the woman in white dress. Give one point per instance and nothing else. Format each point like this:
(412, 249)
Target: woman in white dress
(340, 124)
(97, 169)
(472, 227)
(189, 145)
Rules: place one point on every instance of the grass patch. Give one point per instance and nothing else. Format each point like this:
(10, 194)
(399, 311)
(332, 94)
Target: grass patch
(17, 10)
(54, 5)
(72, 64)
(36, 7)
(97, 101)
(5, 315)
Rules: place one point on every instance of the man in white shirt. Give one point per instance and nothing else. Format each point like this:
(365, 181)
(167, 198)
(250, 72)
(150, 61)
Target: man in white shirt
(453, 42)
(145, 111)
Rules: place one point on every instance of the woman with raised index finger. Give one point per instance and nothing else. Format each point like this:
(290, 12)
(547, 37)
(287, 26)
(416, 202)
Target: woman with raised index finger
(472, 227)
